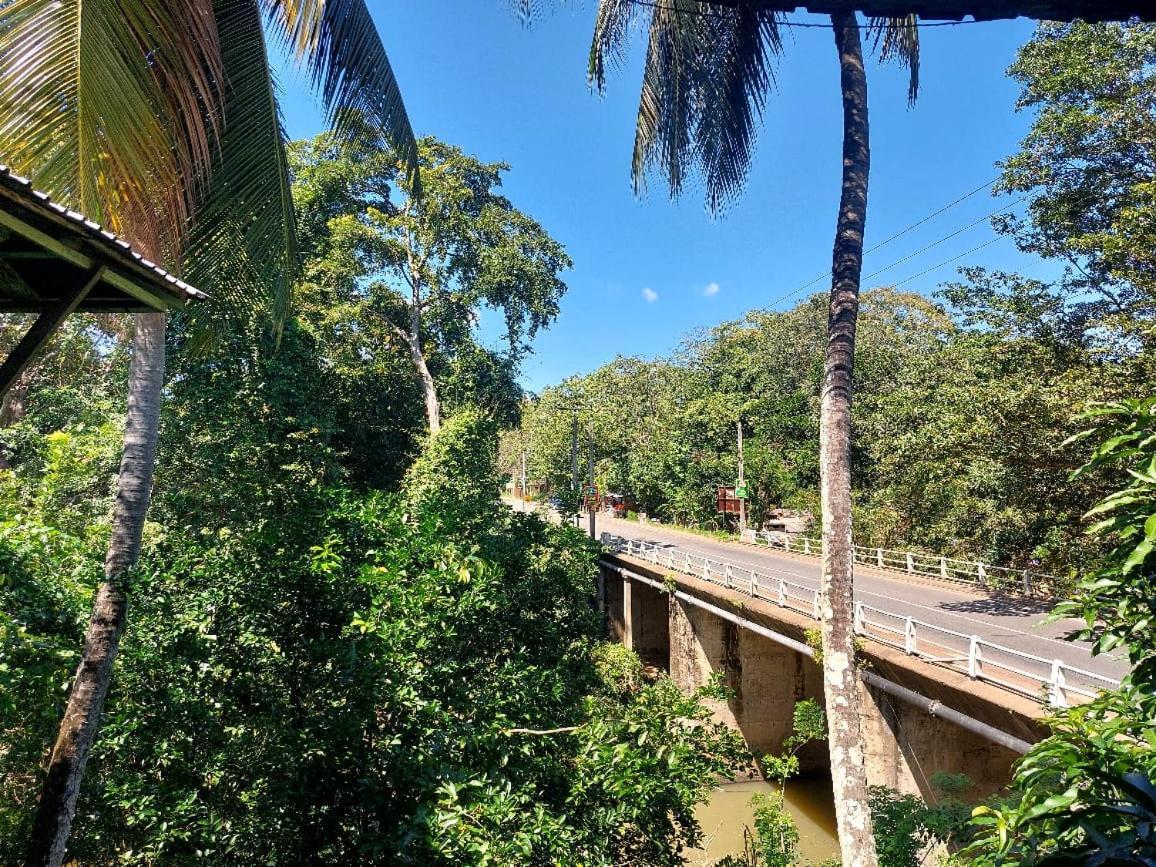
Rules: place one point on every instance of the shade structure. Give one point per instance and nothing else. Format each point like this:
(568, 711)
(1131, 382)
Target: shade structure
(55, 261)
(979, 10)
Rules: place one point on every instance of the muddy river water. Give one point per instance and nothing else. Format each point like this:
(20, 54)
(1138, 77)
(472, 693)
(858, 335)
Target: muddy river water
(728, 812)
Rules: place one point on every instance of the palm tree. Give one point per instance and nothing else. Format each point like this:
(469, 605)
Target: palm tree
(705, 82)
(159, 119)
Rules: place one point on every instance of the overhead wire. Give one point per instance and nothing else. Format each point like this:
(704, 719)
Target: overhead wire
(903, 232)
(987, 243)
(954, 234)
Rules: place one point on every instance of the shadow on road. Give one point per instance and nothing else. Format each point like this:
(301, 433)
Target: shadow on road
(1001, 605)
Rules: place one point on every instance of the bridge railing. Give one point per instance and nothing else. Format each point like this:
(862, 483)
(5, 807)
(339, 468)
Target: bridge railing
(1000, 578)
(1051, 681)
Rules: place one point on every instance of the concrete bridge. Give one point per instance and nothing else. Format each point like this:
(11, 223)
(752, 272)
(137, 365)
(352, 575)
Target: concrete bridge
(940, 701)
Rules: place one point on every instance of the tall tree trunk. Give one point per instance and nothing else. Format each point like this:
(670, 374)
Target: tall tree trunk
(90, 686)
(840, 681)
(429, 392)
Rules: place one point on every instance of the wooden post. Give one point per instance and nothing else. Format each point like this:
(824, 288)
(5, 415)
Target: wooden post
(33, 342)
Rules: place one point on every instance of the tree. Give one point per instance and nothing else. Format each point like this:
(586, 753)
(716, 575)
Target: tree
(1086, 166)
(426, 265)
(704, 85)
(332, 676)
(159, 120)
(1086, 795)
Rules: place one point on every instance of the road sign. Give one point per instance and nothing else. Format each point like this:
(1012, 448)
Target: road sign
(726, 500)
(591, 491)
(741, 491)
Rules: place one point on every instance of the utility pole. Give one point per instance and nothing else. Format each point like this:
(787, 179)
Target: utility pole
(523, 478)
(575, 480)
(590, 466)
(742, 500)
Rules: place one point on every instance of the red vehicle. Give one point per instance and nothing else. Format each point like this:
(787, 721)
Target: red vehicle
(615, 504)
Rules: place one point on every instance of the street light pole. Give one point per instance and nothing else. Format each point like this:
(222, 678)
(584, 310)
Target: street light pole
(742, 500)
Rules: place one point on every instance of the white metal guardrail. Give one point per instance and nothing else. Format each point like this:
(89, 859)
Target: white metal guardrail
(913, 563)
(1052, 681)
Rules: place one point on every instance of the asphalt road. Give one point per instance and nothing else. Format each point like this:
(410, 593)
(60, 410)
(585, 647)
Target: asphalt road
(1011, 621)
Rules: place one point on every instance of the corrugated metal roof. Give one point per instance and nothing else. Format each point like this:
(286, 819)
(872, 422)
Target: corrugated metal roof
(980, 10)
(92, 231)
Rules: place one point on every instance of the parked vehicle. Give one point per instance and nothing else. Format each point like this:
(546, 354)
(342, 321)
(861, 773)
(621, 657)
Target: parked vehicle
(615, 504)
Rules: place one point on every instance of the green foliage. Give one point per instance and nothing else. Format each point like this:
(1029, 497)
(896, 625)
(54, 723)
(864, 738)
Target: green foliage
(1116, 603)
(1084, 166)
(949, 414)
(334, 677)
(388, 269)
(808, 725)
(1085, 794)
(455, 478)
(777, 838)
(907, 828)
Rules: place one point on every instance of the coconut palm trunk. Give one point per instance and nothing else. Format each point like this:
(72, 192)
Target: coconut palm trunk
(840, 681)
(94, 674)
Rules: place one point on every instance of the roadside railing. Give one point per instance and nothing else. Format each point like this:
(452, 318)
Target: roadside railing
(999, 578)
(1051, 681)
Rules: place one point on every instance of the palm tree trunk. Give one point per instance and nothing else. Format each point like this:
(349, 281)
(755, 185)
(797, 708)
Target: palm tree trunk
(840, 681)
(90, 685)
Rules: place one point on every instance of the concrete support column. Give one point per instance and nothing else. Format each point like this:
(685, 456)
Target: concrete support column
(615, 590)
(766, 678)
(698, 648)
(878, 722)
(906, 748)
(648, 624)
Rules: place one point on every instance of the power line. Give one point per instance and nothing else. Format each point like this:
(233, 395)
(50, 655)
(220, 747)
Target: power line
(932, 216)
(900, 234)
(949, 261)
(923, 250)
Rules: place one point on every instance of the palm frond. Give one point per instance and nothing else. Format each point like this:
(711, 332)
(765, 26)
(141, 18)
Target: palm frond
(243, 246)
(612, 25)
(668, 104)
(736, 85)
(898, 39)
(339, 43)
(96, 102)
(704, 85)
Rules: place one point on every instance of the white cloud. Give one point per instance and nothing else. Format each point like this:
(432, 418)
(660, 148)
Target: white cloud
(710, 290)
(650, 295)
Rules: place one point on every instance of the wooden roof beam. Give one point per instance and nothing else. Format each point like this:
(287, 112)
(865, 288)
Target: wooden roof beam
(34, 341)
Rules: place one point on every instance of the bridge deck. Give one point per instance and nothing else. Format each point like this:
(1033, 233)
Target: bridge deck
(1012, 621)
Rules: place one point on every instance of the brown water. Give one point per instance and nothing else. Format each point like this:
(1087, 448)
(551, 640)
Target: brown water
(723, 818)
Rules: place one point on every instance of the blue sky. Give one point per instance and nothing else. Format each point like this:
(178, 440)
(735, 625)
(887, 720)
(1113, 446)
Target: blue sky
(647, 271)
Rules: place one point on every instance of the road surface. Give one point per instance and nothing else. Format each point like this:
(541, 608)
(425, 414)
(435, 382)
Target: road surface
(1012, 621)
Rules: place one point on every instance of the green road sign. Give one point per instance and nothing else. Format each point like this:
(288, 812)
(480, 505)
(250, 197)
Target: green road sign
(741, 491)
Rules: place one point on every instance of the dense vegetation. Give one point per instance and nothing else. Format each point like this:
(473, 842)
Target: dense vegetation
(962, 401)
(342, 649)
(317, 675)
(956, 428)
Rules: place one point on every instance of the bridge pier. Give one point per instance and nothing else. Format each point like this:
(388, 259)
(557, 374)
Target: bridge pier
(648, 623)
(906, 747)
(765, 678)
